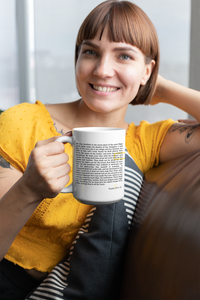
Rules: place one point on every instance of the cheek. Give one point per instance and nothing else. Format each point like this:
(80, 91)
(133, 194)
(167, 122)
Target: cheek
(78, 70)
(80, 66)
(82, 72)
(132, 79)
(79, 74)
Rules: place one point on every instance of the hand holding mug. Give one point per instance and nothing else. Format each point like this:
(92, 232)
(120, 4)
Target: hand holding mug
(47, 169)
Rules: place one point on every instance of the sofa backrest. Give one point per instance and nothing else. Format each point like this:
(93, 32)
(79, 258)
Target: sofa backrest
(164, 264)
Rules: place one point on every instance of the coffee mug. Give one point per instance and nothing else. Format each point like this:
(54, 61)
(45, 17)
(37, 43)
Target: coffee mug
(98, 164)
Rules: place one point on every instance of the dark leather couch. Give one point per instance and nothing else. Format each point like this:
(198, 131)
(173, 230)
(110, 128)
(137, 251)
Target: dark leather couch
(163, 254)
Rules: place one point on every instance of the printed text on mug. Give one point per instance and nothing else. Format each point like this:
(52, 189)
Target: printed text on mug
(98, 164)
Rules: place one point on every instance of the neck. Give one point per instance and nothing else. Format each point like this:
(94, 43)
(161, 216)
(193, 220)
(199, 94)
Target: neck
(85, 117)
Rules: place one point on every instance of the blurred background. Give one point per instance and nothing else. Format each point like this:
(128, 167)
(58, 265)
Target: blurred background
(37, 42)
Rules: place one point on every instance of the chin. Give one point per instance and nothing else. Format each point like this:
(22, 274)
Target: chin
(102, 108)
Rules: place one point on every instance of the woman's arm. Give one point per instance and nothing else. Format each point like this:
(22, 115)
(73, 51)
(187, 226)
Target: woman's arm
(14, 208)
(46, 174)
(181, 138)
(182, 97)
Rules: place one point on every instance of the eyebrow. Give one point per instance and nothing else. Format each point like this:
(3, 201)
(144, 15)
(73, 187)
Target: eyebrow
(125, 48)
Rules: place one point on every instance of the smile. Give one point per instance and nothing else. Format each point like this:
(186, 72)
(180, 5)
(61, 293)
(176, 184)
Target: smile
(103, 88)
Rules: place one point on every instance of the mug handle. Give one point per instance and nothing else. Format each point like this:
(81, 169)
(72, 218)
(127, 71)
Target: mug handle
(66, 139)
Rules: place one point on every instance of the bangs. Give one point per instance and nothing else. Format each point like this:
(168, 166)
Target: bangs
(125, 23)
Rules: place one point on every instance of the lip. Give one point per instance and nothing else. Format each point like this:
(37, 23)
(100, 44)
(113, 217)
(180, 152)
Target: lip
(104, 85)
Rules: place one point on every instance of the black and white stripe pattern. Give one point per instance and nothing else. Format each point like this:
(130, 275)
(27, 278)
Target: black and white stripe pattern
(56, 281)
(132, 185)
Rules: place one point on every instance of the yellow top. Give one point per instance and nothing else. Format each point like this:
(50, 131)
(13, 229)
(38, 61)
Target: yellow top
(48, 234)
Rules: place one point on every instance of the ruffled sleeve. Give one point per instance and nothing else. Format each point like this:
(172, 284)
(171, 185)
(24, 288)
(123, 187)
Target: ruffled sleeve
(144, 142)
(21, 127)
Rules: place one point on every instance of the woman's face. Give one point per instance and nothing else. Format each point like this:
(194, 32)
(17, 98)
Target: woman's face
(109, 74)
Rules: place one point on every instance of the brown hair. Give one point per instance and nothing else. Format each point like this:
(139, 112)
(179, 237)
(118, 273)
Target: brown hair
(126, 23)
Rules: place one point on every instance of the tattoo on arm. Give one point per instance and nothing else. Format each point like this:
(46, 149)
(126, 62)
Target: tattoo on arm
(4, 164)
(190, 130)
(59, 131)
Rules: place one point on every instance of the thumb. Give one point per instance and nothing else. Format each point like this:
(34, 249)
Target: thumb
(69, 133)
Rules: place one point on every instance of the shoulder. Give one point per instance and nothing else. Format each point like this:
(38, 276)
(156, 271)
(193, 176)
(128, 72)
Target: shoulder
(145, 129)
(63, 115)
(23, 112)
(180, 139)
(59, 111)
(22, 126)
(23, 119)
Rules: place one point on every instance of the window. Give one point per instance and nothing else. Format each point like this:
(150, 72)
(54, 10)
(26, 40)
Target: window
(8, 55)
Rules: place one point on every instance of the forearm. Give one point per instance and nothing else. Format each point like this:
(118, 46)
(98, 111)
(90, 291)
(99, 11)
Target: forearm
(184, 98)
(16, 207)
(45, 175)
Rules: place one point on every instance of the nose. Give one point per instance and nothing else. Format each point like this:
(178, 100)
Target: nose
(104, 67)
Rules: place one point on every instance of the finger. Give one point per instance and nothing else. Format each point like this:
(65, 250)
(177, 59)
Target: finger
(188, 121)
(62, 182)
(50, 140)
(57, 160)
(46, 142)
(49, 149)
(54, 173)
(57, 178)
(46, 163)
(69, 133)
(62, 171)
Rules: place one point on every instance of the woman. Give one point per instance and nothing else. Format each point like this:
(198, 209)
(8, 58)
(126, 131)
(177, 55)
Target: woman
(117, 61)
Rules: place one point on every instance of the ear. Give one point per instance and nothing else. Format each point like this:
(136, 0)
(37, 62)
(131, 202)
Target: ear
(148, 70)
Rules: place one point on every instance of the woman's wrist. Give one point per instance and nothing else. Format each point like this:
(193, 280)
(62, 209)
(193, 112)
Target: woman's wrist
(27, 193)
(163, 89)
(167, 91)
(160, 91)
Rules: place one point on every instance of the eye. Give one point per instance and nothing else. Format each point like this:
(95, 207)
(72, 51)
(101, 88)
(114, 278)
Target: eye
(90, 52)
(125, 57)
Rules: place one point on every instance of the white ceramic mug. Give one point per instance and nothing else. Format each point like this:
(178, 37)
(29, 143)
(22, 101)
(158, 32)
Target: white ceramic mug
(98, 164)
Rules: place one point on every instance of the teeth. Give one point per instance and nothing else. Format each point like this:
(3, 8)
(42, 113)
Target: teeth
(104, 88)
